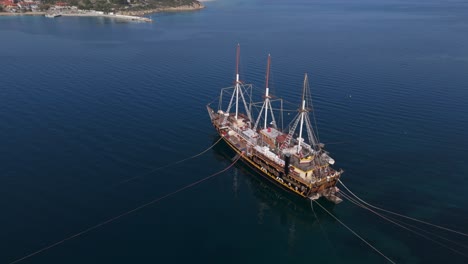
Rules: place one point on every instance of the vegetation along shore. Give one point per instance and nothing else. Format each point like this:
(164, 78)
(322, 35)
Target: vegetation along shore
(126, 9)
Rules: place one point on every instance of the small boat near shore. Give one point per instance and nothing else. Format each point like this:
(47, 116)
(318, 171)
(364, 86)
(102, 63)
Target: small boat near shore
(295, 162)
(52, 15)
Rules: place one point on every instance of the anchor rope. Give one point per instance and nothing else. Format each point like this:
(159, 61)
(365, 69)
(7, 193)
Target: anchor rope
(356, 234)
(125, 213)
(404, 216)
(404, 227)
(170, 164)
(324, 233)
(402, 222)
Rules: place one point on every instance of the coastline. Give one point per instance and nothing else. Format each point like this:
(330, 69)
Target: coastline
(23, 14)
(183, 8)
(128, 15)
(87, 14)
(117, 16)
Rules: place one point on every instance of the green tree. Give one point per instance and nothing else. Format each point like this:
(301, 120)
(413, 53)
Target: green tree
(86, 4)
(102, 5)
(44, 7)
(119, 2)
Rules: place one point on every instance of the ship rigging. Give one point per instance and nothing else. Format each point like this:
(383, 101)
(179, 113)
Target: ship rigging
(297, 164)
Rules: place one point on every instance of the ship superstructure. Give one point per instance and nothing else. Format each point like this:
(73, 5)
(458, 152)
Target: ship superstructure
(299, 163)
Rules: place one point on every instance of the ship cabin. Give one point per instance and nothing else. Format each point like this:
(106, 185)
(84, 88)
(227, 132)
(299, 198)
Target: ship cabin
(302, 161)
(307, 162)
(241, 123)
(241, 126)
(269, 137)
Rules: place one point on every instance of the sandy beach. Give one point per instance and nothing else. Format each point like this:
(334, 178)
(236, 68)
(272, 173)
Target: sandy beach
(87, 14)
(22, 14)
(117, 16)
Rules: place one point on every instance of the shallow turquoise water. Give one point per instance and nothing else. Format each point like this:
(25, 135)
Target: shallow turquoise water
(86, 103)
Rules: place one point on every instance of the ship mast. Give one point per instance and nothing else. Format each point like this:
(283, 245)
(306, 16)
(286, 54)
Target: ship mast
(267, 97)
(267, 102)
(303, 113)
(237, 92)
(302, 119)
(237, 79)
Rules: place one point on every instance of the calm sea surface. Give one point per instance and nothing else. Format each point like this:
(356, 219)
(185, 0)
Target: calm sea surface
(86, 103)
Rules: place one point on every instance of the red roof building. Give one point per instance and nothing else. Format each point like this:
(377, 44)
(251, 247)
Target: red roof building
(6, 2)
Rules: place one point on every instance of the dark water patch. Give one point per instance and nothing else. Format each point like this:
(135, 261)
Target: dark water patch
(88, 103)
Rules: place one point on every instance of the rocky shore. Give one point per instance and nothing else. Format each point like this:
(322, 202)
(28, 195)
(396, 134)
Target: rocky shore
(22, 14)
(193, 7)
(138, 13)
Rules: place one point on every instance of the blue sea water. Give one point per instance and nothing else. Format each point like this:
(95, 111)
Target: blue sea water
(86, 103)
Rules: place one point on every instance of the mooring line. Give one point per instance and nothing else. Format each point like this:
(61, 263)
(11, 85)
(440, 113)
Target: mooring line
(404, 227)
(404, 216)
(124, 214)
(324, 232)
(356, 202)
(356, 234)
(169, 165)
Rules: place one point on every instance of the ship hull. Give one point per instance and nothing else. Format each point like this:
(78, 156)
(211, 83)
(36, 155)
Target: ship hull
(251, 164)
(269, 177)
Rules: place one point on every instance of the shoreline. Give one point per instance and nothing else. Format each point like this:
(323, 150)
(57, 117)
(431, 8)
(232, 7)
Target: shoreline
(138, 15)
(117, 16)
(183, 8)
(23, 14)
(88, 14)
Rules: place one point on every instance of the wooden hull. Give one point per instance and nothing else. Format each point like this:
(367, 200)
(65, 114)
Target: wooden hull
(272, 171)
(249, 162)
(271, 178)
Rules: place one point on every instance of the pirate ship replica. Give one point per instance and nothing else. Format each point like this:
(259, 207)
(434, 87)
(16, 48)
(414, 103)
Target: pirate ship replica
(296, 164)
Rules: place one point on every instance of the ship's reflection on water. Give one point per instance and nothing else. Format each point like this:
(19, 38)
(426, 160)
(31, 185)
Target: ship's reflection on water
(291, 210)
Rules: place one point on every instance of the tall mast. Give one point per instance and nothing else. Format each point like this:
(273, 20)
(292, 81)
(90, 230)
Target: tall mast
(303, 112)
(237, 79)
(267, 96)
(238, 92)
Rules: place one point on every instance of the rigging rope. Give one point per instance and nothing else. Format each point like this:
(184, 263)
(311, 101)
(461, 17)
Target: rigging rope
(400, 215)
(278, 109)
(216, 99)
(404, 227)
(126, 213)
(362, 239)
(170, 164)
